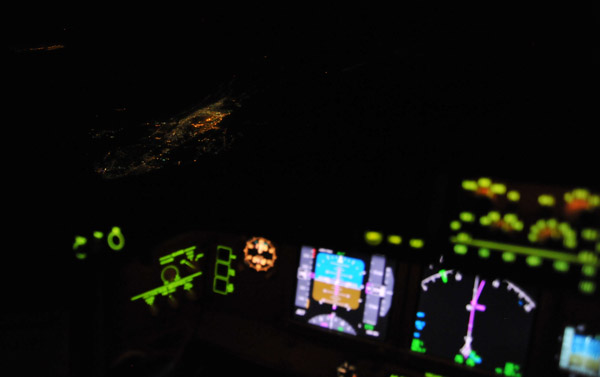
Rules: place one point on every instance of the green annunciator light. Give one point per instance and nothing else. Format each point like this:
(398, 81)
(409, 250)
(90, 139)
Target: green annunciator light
(416, 243)
(394, 239)
(587, 287)
(115, 239)
(79, 242)
(484, 253)
(373, 238)
(533, 261)
(417, 346)
(513, 196)
(460, 249)
(455, 225)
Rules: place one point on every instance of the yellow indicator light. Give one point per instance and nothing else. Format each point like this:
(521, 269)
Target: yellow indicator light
(494, 216)
(498, 188)
(533, 261)
(484, 182)
(460, 249)
(455, 225)
(485, 221)
(467, 217)
(508, 257)
(373, 238)
(561, 266)
(394, 239)
(416, 243)
(469, 185)
(546, 200)
(484, 253)
(513, 196)
(463, 237)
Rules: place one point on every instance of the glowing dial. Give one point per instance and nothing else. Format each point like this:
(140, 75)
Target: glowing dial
(260, 254)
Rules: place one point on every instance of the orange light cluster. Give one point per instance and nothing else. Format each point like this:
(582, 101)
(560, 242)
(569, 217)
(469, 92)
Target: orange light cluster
(260, 254)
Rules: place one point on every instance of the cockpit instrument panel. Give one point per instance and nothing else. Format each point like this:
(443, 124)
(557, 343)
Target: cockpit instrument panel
(344, 292)
(475, 321)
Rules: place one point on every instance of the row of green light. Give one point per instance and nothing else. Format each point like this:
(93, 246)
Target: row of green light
(534, 257)
(223, 271)
(115, 241)
(562, 229)
(374, 238)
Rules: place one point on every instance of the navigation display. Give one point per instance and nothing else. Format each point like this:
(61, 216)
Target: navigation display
(343, 292)
(474, 321)
(580, 351)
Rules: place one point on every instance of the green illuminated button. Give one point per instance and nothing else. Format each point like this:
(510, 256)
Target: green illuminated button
(508, 257)
(484, 182)
(513, 196)
(373, 238)
(416, 243)
(394, 239)
(115, 239)
(546, 200)
(455, 225)
(498, 188)
(469, 185)
(467, 217)
(533, 261)
(484, 253)
(98, 235)
(587, 287)
(460, 249)
(561, 266)
(589, 271)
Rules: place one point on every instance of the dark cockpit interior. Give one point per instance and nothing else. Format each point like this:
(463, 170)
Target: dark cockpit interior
(402, 193)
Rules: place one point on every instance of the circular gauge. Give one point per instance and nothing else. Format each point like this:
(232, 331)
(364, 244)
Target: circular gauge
(332, 322)
(473, 321)
(260, 254)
